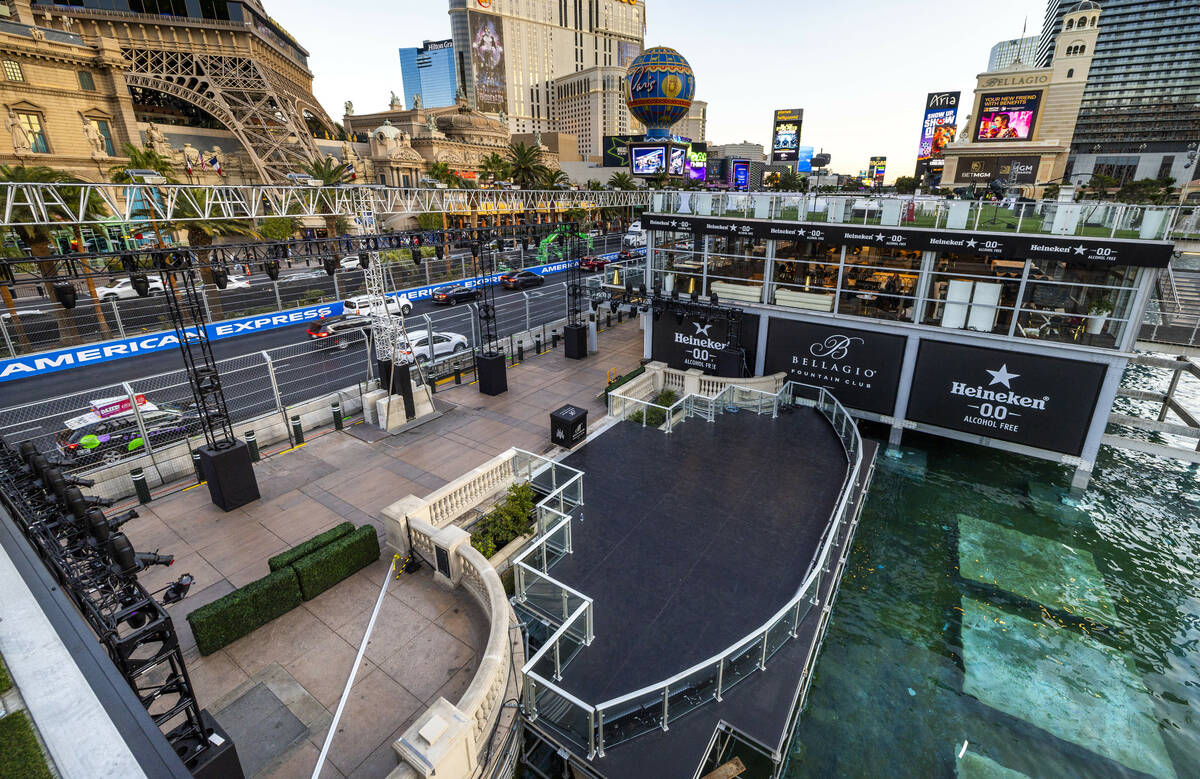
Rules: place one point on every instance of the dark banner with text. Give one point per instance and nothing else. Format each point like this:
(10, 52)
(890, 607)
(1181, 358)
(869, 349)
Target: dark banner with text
(1043, 402)
(861, 368)
(694, 343)
(1009, 246)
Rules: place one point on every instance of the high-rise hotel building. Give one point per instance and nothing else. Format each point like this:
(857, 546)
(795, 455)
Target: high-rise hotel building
(511, 53)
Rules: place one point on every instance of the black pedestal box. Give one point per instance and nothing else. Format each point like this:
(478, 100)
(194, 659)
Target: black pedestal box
(400, 383)
(229, 473)
(219, 760)
(568, 426)
(492, 378)
(575, 339)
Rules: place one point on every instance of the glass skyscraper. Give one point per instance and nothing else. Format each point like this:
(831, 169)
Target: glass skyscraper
(1141, 107)
(429, 71)
(1006, 53)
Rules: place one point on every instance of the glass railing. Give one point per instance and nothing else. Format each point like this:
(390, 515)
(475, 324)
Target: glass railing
(593, 727)
(1093, 219)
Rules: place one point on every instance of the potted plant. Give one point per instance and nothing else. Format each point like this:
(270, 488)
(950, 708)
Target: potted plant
(1099, 311)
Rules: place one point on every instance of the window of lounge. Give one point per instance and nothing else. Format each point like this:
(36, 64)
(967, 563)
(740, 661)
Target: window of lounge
(879, 282)
(736, 267)
(806, 274)
(970, 291)
(1076, 304)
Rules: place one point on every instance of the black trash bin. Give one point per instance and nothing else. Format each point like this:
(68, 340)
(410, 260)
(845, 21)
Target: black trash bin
(568, 426)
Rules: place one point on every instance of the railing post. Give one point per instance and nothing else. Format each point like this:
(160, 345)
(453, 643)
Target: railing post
(566, 606)
(796, 621)
(557, 664)
(204, 300)
(591, 733)
(530, 698)
(591, 634)
(141, 423)
(720, 677)
(666, 696)
(762, 660)
(520, 584)
(278, 299)
(117, 315)
(528, 320)
(337, 289)
(8, 344)
(600, 730)
(275, 390)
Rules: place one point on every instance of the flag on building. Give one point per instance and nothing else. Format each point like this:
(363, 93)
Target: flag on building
(187, 164)
(215, 164)
(350, 170)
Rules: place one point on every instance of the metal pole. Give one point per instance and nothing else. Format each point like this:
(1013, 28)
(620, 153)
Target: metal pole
(141, 423)
(117, 315)
(278, 299)
(275, 388)
(528, 326)
(8, 341)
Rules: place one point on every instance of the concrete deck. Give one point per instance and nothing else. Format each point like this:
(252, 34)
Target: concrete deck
(281, 684)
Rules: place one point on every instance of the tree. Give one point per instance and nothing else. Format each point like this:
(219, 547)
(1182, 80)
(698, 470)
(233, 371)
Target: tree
(594, 186)
(141, 159)
(1153, 191)
(906, 185)
(1051, 192)
(553, 178)
(440, 172)
(783, 181)
(660, 180)
(622, 181)
(279, 228)
(494, 168)
(525, 164)
(37, 238)
(1100, 184)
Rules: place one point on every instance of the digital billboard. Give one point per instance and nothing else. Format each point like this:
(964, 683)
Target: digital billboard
(941, 118)
(487, 60)
(804, 156)
(984, 170)
(876, 169)
(740, 174)
(678, 161)
(697, 162)
(627, 52)
(648, 160)
(785, 134)
(616, 150)
(1007, 116)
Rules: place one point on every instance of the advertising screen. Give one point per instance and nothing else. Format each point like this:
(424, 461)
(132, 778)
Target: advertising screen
(1008, 116)
(1045, 402)
(678, 160)
(697, 163)
(785, 134)
(984, 170)
(616, 149)
(941, 118)
(689, 343)
(860, 367)
(487, 60)
(876, 169)
(740, 173)
(804, 156)
(648, 160)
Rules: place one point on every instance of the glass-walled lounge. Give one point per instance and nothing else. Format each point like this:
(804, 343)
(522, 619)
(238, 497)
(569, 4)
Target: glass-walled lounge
(1041, 299)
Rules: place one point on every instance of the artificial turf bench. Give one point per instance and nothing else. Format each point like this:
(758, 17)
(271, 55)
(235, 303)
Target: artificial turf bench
(297, 574)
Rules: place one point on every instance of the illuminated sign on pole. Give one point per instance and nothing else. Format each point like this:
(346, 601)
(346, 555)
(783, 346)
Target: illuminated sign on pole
(785, 134)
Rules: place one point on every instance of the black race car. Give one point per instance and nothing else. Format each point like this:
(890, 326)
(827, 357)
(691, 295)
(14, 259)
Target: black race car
(113, 439)
(454, 294)
(520, 279)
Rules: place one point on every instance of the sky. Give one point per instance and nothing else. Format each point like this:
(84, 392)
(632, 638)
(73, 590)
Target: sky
(860, 69)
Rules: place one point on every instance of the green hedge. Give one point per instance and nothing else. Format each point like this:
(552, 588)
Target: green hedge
(5, 680)
(242, 611)
(327, 566)
(617, 382)
(655, 417)
(289, 556)
(20, 755)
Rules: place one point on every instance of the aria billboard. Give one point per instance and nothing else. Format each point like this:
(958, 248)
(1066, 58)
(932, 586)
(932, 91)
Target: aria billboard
(1008, 116)
(941, 119)
(785, 134)
(487, 61)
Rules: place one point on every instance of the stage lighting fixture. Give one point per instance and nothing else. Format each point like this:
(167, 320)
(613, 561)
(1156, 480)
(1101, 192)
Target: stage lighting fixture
(66, 294)
(127, 262)
(178, 589)
(331, 265)
(695, 296)
(220, 278)
(364, 260)
(439, 252)
(675, 293)
(475, 249)
(713, 298)
(141, 284)
(642, 290)
(272, 269)
(628, 285)
(657, 289)
(416, 256)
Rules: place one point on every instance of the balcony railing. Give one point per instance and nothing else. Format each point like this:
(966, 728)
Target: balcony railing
(1046, 217)
(591, 727)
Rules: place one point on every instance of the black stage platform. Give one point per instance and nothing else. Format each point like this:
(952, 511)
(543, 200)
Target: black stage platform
(689, 542)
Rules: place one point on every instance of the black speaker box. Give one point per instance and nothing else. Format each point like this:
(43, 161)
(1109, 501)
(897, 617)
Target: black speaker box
(575, 338)
(230, 474)
(218, 759)
(492, 378)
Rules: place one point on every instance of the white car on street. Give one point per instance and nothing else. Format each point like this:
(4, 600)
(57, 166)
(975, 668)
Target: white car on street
(361, 305)
(122, 289)
(350, 262)
(443, 343)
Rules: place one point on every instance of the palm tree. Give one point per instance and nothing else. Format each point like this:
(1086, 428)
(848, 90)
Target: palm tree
(594, 186)
(330, 173)
(525, 164)
(141, 159)
(37, 238)
(441, 173)
(494, 168)
(553, 178)
(787, 181)
(200, 234)
(622, 181)
(660, 180)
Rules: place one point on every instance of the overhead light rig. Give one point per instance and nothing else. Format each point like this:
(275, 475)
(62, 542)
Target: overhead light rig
(97, 567)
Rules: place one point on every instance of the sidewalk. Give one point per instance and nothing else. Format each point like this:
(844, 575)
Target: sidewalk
(276, 689)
